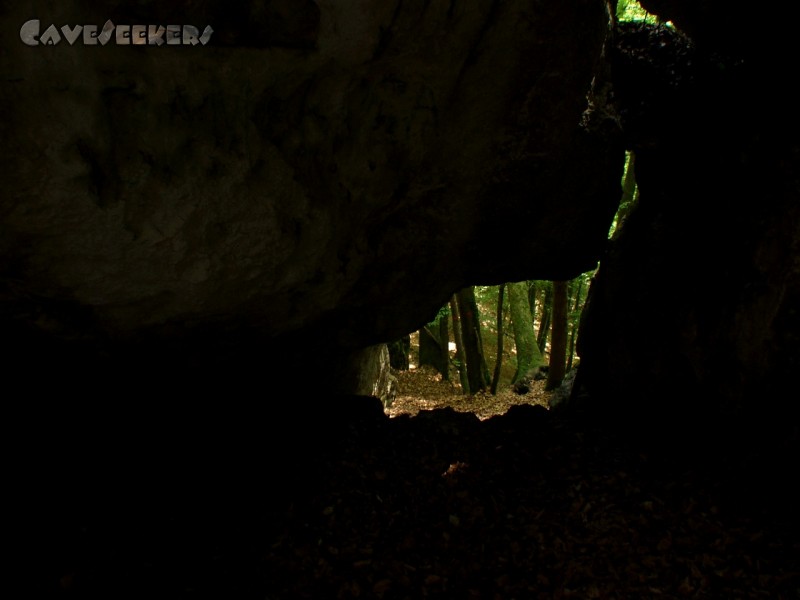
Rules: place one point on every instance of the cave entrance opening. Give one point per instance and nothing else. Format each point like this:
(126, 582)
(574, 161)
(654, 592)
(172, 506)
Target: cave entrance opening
(526, 342)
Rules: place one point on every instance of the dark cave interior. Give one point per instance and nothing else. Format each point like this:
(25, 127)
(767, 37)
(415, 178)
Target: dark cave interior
(197, 243)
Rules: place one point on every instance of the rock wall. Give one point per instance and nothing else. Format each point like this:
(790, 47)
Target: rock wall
(369, 373)
(693, 318)
(323, 171)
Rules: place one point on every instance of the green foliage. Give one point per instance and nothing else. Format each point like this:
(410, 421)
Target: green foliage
(486, 294)
(631, 10)
(630, 193)
(543, 284)
(585, 279)
(486, 297)
(444, 312)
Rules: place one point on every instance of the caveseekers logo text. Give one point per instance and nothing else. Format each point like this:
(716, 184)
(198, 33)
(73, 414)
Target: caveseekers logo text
(123, 35)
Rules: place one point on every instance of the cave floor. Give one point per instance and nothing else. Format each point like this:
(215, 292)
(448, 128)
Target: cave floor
(437, 505)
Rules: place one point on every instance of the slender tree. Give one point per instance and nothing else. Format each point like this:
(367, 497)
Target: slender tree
(498, 363)
(528, 355)
(471, 336)
(575, 318)
(558, 339)
(532, 289)
(544, 322)
(429, 353)
(444, 345)
(460, 362)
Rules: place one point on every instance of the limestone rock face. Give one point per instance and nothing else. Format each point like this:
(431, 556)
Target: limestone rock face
(369, 374)
(694, 311)
(331, 168)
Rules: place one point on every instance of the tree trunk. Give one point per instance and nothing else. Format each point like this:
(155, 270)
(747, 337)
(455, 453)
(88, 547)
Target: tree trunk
(487, 376)
(460, 362)
(558, 340)
(444, 339)
(575, 318)
(430, 352)
(471, 335)
(544, 324)
(528, 355)
(398, 353)
(498, 363)
(532, 289)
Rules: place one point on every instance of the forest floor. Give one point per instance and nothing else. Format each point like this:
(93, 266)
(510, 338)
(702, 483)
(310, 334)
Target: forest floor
(423, 389)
